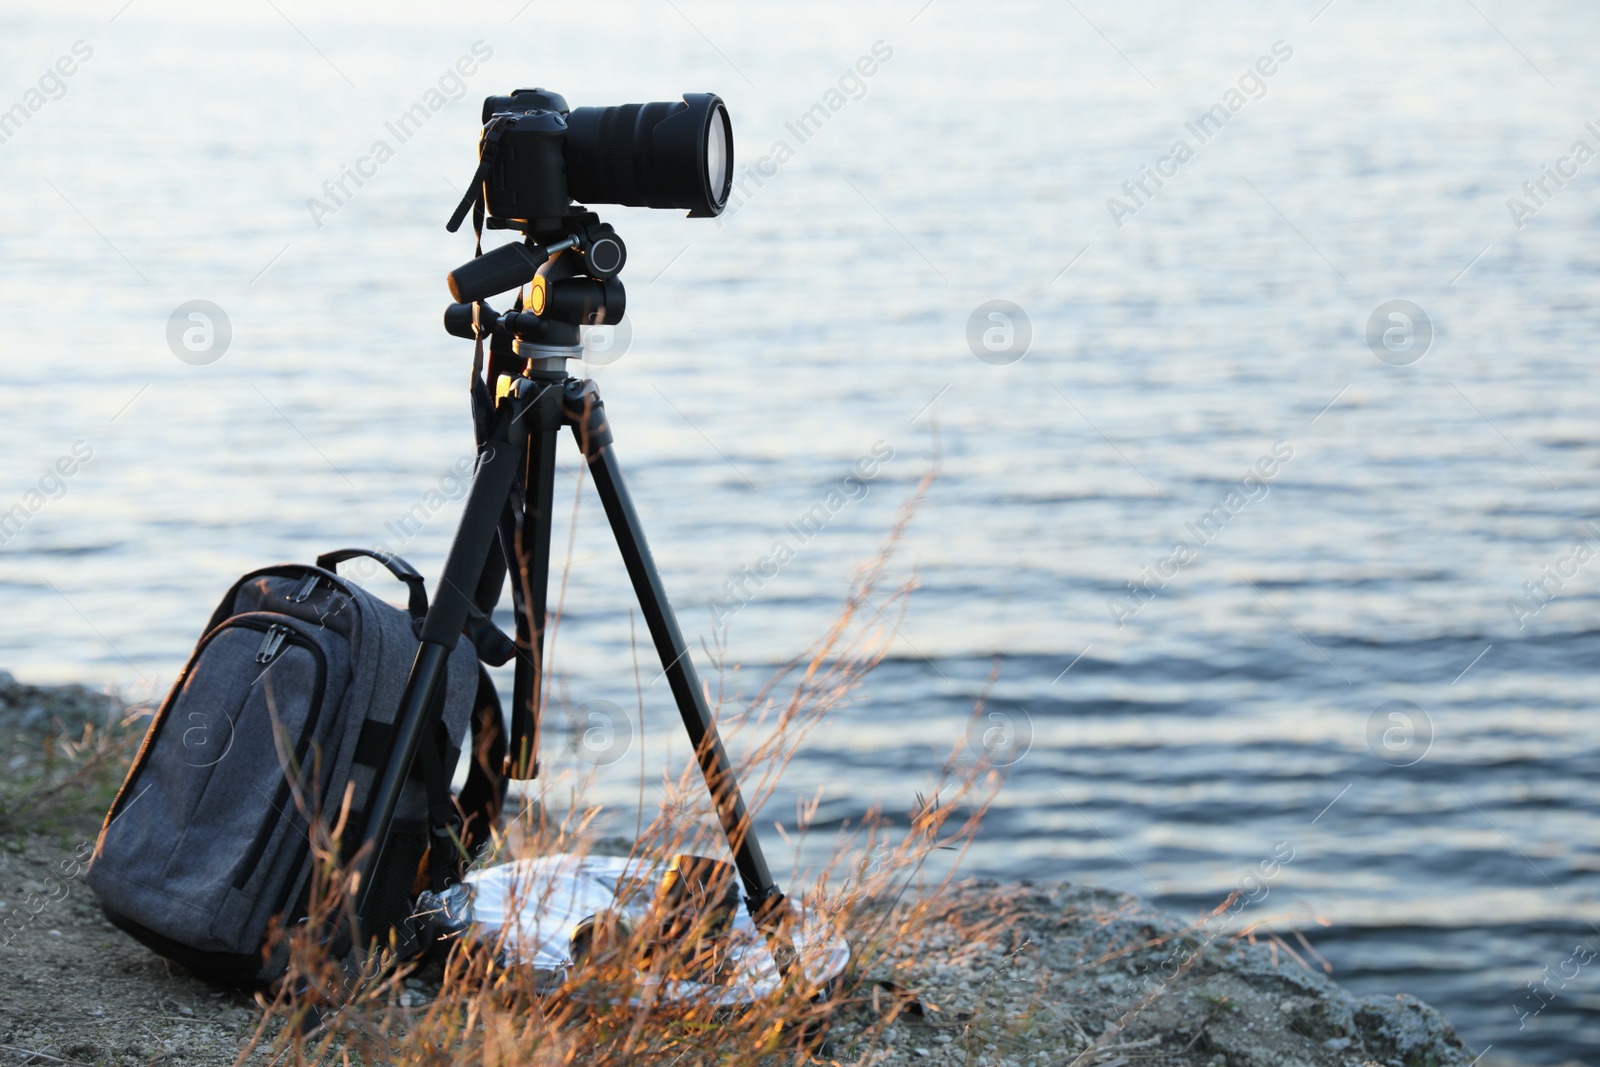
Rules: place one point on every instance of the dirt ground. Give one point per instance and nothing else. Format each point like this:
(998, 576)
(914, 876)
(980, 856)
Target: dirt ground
(74, 989)
(1003, 974)
(79, 990)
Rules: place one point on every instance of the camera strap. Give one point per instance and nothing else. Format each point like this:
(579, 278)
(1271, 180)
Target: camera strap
(488, 152)
(482, 403)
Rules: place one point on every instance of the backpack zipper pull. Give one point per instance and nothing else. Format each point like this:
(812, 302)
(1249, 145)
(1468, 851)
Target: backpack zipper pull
(271, 643)
(307, 587)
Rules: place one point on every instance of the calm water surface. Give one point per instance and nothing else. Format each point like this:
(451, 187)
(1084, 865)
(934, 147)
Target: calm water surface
(1244, 706)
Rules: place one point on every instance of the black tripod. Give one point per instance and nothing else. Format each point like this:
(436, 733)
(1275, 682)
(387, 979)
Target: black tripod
(511, 500)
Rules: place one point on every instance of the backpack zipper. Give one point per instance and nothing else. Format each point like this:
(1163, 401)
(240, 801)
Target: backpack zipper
(306, 588)
(302, 749)
(271, 643)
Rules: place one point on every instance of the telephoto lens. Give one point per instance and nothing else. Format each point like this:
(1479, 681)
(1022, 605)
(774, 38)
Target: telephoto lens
(664, 155)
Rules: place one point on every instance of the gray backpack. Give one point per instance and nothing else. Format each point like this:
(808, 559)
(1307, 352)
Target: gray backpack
(288, 702)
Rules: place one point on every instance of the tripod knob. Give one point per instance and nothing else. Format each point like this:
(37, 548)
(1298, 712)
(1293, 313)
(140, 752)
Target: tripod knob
(458, 320)
(604, 254)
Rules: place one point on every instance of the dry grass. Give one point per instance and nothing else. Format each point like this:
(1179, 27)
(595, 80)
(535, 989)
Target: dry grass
(61, 778)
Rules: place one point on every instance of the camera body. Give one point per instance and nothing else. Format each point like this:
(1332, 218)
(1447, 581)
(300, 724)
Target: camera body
(527, 182)
(542, 156)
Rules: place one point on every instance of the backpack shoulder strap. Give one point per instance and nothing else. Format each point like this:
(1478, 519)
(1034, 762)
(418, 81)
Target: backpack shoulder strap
(459, 827)
(484, 791)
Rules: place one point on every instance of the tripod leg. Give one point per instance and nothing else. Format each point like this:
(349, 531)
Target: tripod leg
(498, 465)
(531, 578)
(681, 675)
(765, 901)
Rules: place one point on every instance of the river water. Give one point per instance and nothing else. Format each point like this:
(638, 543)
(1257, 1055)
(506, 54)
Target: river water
(1330, 650)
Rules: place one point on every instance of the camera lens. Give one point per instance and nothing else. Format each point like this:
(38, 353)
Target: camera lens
(663, 155)
(719, 151)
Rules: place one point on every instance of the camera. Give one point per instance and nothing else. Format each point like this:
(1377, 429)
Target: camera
(544, 155)
(538, 158)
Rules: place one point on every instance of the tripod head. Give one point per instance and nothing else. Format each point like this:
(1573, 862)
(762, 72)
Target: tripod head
(600, 255)
(571, 274)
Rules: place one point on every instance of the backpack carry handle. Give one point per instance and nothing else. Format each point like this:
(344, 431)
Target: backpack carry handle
(398, 567)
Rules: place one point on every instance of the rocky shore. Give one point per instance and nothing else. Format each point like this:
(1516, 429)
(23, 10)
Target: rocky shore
(996, 974)
(1062, 974)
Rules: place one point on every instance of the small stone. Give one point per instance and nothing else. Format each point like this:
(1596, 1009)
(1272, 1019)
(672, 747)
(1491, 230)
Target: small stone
(55, 933)
(922, 1052)
(184, 1009)
(1336, 1044)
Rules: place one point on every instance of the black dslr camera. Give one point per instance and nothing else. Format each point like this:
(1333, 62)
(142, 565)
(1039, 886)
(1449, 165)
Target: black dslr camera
(537, 156)
(664, 155)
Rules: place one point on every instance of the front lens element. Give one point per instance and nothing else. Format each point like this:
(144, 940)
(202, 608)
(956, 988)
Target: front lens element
(718, 139)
